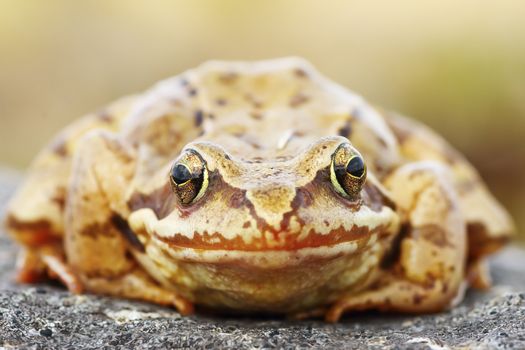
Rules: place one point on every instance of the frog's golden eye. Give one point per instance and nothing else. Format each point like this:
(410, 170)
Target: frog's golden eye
(189, 177)
(347, 171)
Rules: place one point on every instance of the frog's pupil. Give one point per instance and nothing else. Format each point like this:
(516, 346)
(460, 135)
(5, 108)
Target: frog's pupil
(180, 174)
(356, 167)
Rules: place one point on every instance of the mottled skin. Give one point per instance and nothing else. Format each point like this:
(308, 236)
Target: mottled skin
(270, 228)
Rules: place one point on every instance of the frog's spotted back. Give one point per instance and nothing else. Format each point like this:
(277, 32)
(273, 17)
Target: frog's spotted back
(271, 107)
(257, 186)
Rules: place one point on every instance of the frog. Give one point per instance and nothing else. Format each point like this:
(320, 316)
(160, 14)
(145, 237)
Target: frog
(257, 187)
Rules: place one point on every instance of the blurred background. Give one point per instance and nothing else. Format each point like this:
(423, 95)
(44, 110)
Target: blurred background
(459, 66)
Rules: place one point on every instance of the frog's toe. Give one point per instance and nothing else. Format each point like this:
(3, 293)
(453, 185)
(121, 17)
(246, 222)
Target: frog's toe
(58, 268)
(184, 306)
(478, 274)
(36, 266)
(29, 267)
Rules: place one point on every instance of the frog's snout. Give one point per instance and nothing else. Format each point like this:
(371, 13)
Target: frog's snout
(272, 201)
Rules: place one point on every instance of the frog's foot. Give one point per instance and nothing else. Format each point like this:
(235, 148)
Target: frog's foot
(46, 263)
(29, 267)
(137, 285)
(478, 274)
(58, 268)
(399, 296)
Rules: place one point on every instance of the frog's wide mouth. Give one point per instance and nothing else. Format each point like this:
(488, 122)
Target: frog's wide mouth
(267, 249)
(172, 233)
(268, 240)
(278, 257)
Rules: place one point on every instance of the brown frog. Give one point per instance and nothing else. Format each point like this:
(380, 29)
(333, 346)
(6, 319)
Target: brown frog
(257, 187)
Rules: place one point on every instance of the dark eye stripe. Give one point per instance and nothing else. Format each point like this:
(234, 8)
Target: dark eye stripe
(180, 174)
(356, 167)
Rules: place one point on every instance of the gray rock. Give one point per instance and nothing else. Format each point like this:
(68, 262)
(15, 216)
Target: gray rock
(47, 316)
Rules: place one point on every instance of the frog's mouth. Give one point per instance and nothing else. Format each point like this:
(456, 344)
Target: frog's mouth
(269, 240)
(280, 245)
(267, 258)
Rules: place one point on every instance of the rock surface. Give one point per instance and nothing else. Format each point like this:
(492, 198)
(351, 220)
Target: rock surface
(47, 316)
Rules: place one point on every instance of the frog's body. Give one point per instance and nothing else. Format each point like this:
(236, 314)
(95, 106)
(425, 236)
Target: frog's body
(267, 222)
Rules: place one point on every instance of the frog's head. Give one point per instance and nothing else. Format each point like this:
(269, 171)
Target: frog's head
(319, 200)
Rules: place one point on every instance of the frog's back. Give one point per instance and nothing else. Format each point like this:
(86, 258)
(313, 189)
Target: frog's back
(265, 110)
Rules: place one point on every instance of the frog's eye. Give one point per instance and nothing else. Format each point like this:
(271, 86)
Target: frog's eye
(347, 171)
(189, 177)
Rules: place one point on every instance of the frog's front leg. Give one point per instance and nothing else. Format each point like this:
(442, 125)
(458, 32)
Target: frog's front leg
(96, 248)
(429, 273)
